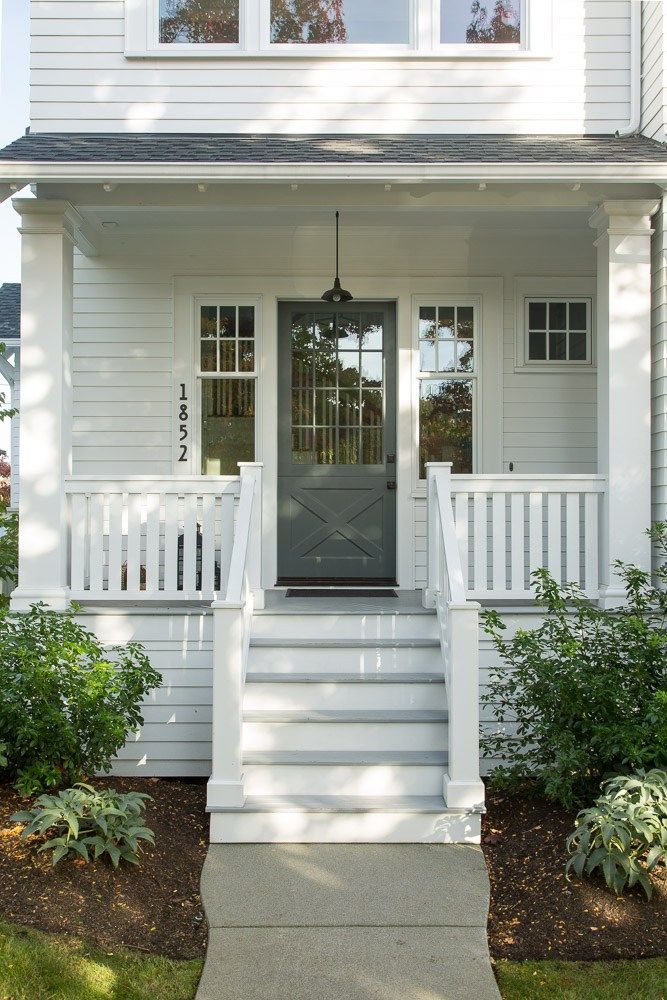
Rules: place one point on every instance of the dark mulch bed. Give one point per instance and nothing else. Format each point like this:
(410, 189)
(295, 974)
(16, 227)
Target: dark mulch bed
(537, 914)
(155, 907)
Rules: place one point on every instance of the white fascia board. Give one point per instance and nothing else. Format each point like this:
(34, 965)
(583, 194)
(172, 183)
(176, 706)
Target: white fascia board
(187, 172)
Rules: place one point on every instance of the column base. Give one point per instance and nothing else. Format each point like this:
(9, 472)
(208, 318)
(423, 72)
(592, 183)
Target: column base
(612, 597)
(224, 794)
(428, 598)
(55, 600)
(463, 794)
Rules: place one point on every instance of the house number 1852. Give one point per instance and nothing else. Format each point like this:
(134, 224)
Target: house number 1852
(183, 417)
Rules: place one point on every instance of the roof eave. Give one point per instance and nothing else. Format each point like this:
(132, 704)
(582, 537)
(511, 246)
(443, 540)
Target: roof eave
(16, 174)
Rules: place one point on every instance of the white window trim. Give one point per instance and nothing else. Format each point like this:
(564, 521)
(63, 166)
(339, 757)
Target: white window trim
(486, 294)
(142, 37)
(187, 372)
(562, 289)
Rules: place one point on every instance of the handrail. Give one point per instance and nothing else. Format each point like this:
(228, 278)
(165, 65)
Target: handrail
(237, 568)
(452, 557)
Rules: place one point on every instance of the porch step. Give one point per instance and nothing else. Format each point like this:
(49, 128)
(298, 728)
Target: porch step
(345, 716)
(288, 677)
(344, 819)
(313, 758)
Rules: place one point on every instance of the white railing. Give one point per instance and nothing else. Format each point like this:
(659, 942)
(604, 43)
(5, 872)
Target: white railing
(507, 526)
(168, 538)
(458, 620)
(231, 639)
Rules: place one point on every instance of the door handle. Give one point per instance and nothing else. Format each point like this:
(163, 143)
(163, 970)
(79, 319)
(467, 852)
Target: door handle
(391, 485)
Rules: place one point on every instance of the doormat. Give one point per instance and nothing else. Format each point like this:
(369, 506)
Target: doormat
(340, 593)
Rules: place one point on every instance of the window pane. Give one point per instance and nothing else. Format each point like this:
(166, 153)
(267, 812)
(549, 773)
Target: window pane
(347, 330)
(446, 321)
(372, 332)
(371, 369)
(209, 322)
(340, 22)
(371, 403)
(557, 349)
(326, 406)
(303, 452)
(446, 356)
(348, 369)
(557, 315)
(578, 316)
(371, 446)
(227, 355)
(246, 321)
(427, 356)
(445, 423)
(246, 355)
(302, 407)
(228, 425)
(427, 323)
(537, 346)
(227, 321)
(537, 315)
(348, 408)
(197, 22)
(325, 446)
(577, 346)
(209, 356)
(480, 21)
(348, 446)
(465, 356)
(464, 320)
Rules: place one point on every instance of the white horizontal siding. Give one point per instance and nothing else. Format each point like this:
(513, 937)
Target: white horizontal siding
(81, 81)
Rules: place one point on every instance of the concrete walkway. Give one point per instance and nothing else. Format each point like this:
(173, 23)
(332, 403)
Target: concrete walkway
(346, 922)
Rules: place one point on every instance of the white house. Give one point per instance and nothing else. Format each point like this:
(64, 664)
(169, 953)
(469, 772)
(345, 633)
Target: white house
(492, 398)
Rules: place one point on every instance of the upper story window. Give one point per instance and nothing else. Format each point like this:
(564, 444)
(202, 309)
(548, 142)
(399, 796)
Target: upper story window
(480, 22)
(456, 29)
(199, 22)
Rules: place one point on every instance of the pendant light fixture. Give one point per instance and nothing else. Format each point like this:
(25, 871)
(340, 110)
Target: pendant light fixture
(337, 293)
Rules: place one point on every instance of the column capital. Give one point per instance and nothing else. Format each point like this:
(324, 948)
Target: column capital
(630, 217)
(46, 217)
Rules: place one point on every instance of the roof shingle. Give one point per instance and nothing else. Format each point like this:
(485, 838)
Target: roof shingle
(68, 147)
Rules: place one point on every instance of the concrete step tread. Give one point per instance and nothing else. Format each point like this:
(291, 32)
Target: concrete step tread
(325, 642)
(340, 677)
(345, 715)
(340, 804)
(363, 758)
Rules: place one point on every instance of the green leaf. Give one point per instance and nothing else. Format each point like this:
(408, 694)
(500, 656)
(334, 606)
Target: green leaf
(59, 853)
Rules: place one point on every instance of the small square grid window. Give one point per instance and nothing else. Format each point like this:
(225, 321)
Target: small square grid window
(446, 339)
(227, 339)
(558, 330)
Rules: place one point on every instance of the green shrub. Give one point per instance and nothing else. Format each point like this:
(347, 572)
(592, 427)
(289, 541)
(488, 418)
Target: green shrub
(67, 704)
(89, 822)
(584, 694)
(624, 833)
(9, 547)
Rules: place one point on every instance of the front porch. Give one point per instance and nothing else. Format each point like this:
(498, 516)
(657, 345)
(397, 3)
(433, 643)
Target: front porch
(500, 423)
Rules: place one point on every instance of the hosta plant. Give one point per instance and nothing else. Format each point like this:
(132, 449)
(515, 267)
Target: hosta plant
(624, 834)
(89, 823)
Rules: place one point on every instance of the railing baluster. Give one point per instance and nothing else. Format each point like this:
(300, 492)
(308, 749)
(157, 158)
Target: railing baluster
(572, 541)
(115, 542)
(536, 538)
(190, 582)
(96, 544)
(208, 545)
(554, 537)
(152, 543)
(499, 543)
(171, 543)
(518, 543)
(78, 537)
(227, 505)
(480, 543)
(461, 519)
(133, 557)
(591, 542)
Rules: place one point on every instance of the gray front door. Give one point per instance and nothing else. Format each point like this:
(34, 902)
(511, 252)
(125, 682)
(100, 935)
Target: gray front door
(337, 442)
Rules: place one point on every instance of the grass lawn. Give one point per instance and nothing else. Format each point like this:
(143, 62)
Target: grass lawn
(645, 979)
(36, 966)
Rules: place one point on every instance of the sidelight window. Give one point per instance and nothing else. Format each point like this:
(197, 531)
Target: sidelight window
(227, 386)
(447, 376)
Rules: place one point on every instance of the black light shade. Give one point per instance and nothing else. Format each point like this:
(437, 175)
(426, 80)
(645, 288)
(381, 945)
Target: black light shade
(337, 293)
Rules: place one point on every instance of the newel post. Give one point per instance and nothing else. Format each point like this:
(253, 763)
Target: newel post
(225, 787)
(48, 230)
(443, 472)
(254, 471)
(623, 340)
(463, 787)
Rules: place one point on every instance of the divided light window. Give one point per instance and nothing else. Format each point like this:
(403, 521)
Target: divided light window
(340, 22)
(228, 387)
(447, 375)
(480, 22)
(199, 22)
(558, 330)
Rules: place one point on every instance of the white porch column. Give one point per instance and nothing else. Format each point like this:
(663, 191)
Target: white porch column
(623, 338)
(46, 401)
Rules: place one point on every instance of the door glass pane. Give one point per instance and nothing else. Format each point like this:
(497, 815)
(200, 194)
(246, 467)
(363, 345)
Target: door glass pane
(476, 22)
(346, 392)
(445, 423)
(228, 425)
(197, 22)
(340, 22)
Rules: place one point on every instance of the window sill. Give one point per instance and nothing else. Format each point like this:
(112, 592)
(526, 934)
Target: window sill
(374, 53)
